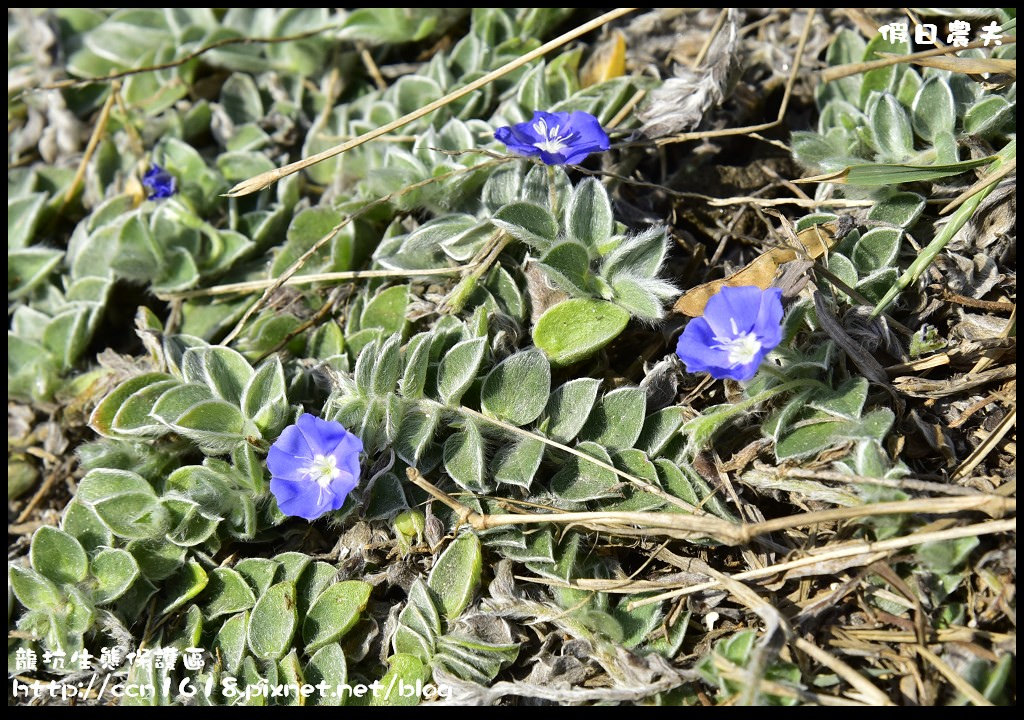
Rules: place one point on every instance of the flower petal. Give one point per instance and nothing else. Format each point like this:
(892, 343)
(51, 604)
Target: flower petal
(290, 454)
(342, 485)
(556, 138)
(346, 453)
(322, 435)
(697, 349)
(733, 304)
(305, 505)
(768, 326)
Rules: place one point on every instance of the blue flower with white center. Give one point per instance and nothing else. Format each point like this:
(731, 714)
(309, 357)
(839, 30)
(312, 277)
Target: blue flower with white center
(740, 325)
(313, 466)
(159, 182)
(558, 138)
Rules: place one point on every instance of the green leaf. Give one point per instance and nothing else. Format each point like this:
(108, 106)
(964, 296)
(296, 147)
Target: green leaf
(455, 576)
(891, 129)
(636, 256)
(617, 419)
(176, 401)
(580, 480)
(588, 214)
(33, 590)
(379, 26)
(182, 586)
(458, 369)
(386, 310)
(528, 223)
(241, 100)
(134, 417)
(23, 215)
(273, 621)
(405, 670)
(264, 400)
(125, 502)
(58, 556)
(328, 665)
(988, 115)
(659, 428)
(631, 294)
(222, 369)
(810, 439)
(517, 389)
(115, 570)
(388, 366)
(260, 573)
(577, 328)
(876, 285)
(947, 556)
(67, 335)
(82, 522)
(568, 265)
(464, 458)
(639, 624)
(334, 613)
(293, 564)
(306, 228)
(316, 578)
(568, 408)
(881, 174)
(138, 255)
(215, 425)
(846, 402)
(416, 433)
(226, 594)
(230, 642)
(417, 362)
(157, 559)
(934, 110)
(901, 209)
(472, 659)
(517, 463)
(884, 79)
(419, 623)
(877, 249)
(28, 267)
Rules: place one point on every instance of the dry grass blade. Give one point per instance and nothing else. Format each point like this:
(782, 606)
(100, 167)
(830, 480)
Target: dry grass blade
(1008, 167)
(990, 444)
(344, 276)
(265, 179)
(841, 71)
(950, 674)
(867, 549)
(302, 259)
(223, 42)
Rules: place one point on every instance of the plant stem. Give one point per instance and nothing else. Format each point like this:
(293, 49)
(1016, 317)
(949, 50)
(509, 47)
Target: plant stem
(552, 191)
(956, 222)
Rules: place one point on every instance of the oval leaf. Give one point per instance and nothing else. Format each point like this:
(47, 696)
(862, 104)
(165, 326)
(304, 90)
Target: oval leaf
(575, 329)
(456, 574)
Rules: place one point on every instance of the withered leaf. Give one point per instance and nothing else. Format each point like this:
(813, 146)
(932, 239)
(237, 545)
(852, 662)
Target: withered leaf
(814, 241)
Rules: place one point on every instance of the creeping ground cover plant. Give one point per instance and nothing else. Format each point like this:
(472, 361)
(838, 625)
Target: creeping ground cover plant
(511, 356)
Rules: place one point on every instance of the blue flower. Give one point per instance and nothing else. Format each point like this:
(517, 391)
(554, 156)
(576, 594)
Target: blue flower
(159, 182)
(314, 465)
(739, 327)
(556, 138)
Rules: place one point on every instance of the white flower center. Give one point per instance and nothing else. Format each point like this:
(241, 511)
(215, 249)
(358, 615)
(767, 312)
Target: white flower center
(553, 142)
(742, 348)
(323, 470)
